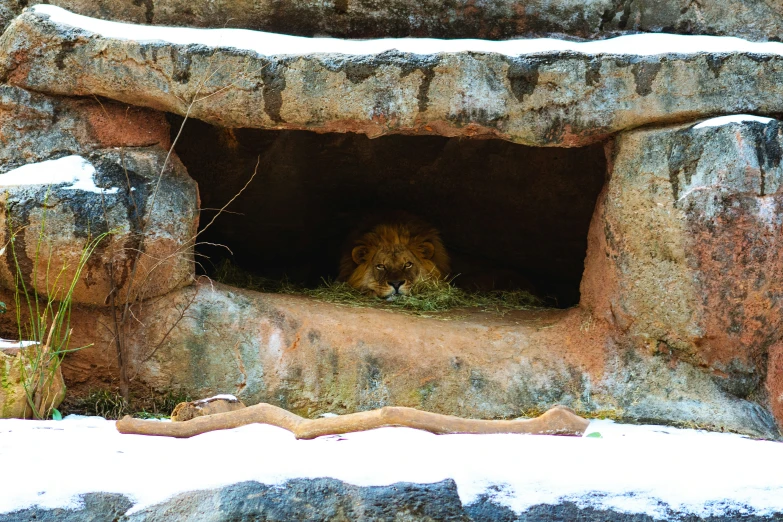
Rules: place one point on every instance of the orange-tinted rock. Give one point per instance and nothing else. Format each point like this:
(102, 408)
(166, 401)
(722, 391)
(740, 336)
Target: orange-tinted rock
(775, 382)
(21, 370)
(55, 215)
(54, 223)
(185, 411)
(34, 127)
(312, 357)
(685, 247)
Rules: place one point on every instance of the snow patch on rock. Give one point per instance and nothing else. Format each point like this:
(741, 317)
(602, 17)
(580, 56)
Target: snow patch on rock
(70, 169)
(222, 396)
(7, 344)
(731, 118)
(280, 44)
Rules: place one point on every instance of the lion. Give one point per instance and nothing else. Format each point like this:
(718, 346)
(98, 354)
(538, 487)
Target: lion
(390, 257)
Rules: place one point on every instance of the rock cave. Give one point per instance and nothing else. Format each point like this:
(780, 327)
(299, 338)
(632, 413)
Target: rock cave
(620, 160)
(311, 190)
(591, 170)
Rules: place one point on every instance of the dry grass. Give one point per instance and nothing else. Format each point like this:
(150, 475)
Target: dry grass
(427, 297)
(109, 404)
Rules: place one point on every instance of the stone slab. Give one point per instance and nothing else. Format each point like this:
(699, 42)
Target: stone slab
(541, 99)
(312, 357)
(489, 19)
(36, 127)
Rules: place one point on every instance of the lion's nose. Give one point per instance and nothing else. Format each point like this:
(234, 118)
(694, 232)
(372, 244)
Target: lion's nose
(396, 285)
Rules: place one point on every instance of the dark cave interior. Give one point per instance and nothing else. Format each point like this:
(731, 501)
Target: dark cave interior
(511, 216)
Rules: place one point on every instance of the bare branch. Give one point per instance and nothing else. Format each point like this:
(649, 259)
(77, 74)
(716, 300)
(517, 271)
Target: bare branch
(558, 420)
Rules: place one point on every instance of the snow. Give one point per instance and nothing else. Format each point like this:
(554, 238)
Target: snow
(732, 118)
(70, 169)
(6, 344)
(222, 396)
(279, 44)
(634, 469)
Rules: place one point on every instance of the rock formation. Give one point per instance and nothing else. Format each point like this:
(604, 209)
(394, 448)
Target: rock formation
(529, 94)
(680, 304)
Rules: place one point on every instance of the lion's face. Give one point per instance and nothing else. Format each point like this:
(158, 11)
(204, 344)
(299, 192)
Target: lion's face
(388, 260)
(391, 270)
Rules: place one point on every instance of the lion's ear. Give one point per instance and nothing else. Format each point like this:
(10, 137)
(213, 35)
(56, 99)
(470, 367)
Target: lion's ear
(426, 249)
(359, 254)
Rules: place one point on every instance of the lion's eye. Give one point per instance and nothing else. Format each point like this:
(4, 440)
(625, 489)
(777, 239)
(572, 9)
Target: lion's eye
(380, 267)
(408, 265)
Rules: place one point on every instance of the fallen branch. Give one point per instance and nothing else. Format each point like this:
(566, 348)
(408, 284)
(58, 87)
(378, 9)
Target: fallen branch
(559, 420)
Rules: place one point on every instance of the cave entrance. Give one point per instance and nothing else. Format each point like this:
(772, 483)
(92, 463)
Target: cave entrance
(511, 216)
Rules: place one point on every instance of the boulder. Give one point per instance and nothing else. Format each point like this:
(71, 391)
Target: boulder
(774, 383)
(313, 499)
(52, 211)
(91, 507)
(185, 411)
(684, 250)
(21, 365)
(312, 357)
(77, 167)
(542, 94)
(494, 19)
(34, 127)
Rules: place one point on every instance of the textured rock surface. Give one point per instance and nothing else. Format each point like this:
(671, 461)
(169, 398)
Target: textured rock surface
(685, 253)
(775, 382)
(313, 357)
(332, 500)
(36, 127)
(492, 19)
(14, 365)
(570, 511)
(314, 499)
(184, 411)
(564, 99)
(54, 223)
(98, 507)
(682, 297)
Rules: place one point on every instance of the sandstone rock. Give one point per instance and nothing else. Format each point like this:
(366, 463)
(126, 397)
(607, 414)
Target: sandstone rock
(55, 208)
(34, 127)
(775, 382)
(15, 364)
(312, 357)
(684, 252)
(8, 10)
(547, 98)
(494, 19)
(184, 411)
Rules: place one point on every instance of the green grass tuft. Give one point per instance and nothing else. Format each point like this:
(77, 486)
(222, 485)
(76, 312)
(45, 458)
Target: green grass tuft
(427, 297)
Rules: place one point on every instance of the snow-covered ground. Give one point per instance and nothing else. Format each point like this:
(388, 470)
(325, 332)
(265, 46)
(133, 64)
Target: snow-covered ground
(280, 44)
(632, 469)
